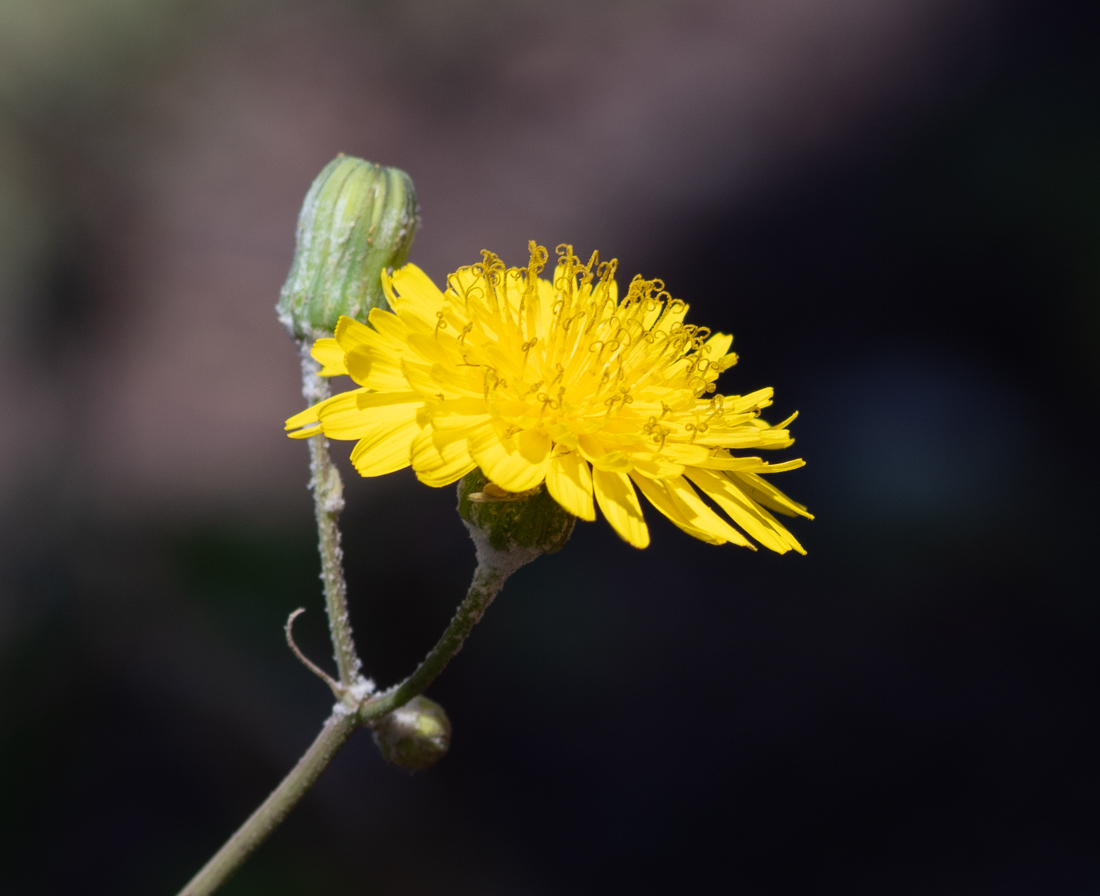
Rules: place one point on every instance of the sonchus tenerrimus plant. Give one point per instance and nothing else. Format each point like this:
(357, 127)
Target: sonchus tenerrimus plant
(544, 397)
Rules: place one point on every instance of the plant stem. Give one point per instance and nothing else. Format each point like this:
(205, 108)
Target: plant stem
(328, 501)
(493, 569)
(274, 809)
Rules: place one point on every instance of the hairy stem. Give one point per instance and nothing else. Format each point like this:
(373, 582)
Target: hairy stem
(493, 569)
(274, 809)
(328, 501)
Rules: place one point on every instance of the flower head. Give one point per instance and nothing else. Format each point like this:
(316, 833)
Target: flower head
(559, 382)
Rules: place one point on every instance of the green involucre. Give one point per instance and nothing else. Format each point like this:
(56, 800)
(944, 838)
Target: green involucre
(533, 522)
(357, 219)
(415, 736)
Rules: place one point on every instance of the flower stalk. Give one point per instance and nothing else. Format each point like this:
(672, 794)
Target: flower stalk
(328, 502)
(493, 569)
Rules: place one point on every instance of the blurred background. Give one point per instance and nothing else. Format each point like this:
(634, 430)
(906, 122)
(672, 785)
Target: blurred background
(895, 207)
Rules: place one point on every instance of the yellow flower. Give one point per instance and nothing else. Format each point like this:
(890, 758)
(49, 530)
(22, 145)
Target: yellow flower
(558, 382)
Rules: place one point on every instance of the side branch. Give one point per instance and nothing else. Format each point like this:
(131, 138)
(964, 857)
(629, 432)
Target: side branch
(493, 569)
(338, 690)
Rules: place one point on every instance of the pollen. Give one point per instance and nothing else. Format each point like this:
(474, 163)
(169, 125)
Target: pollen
(557, 381)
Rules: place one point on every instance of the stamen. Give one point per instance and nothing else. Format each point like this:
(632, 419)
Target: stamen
(539, 256)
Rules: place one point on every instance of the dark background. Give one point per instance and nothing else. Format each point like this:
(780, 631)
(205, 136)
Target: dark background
(899, 219)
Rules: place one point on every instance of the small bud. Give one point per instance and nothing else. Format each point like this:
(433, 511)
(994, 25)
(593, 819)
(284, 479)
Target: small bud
(530, 522)
(415, 736)
(357, 219)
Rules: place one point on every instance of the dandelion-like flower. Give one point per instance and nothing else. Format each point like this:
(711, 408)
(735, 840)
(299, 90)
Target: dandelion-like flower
(558, 382)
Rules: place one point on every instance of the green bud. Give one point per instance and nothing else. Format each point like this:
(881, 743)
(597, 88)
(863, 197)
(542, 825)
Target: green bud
(415, 736)
(531, 522)
(357, 219)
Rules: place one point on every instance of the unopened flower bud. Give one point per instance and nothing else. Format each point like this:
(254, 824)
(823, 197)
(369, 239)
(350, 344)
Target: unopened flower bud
(415, 736)
(357, 219)
(526, 522)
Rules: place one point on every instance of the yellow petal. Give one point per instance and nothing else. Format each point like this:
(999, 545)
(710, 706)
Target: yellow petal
(717, 346)
(330, 356)
(654, 466)
(365, 400)
(459, 413)
(501, 460)
(416, 294)
(767, 494)
(701, 516)
(393, 330)
(619, 503)
(375, 370)
(684, 454)
(446, 475)
(737, 404)
(389, 446)
(431, 350)
(746, 436)
(657, 495)
(614, 462)
(341, 418)
(722, 460)
(350, 333)
(595, 452)
(760, 524)
(310, 417)
(534, 445)
(781, 468)
(726, 362)
(387, 289)
(306, 432)
(674, 313)
(419, 377)
(439, 461)
(569, 482)
(355, 415)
